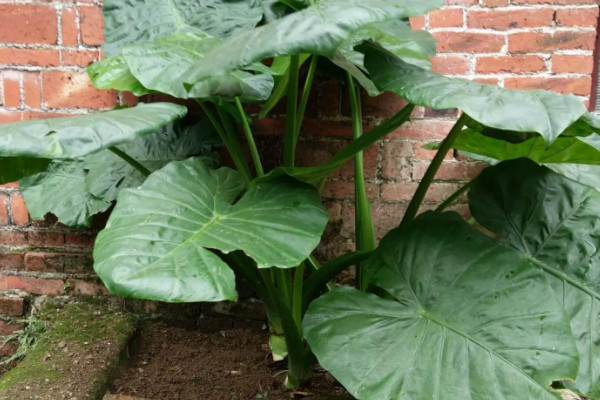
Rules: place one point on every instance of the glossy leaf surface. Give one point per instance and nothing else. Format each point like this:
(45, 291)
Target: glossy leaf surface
(156, 243)
(454, 326)
(319, 29)
(546, 113)
(114, 73)
(61, 191)
(135, 21)
(73, 137)
(554, 222)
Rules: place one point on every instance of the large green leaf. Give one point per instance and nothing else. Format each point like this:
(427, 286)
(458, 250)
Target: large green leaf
(555, 223)
(61, 191)
(546, 113)
(114, 73)
(157, 240)
(466, 318)
(565, 149)
(14, 168)
(156, 65)
(73, 137)
(135, 21)
(107, 173)
(319, 29)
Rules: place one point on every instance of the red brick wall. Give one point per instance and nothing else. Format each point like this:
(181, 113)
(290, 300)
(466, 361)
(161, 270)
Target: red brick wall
(45, 46)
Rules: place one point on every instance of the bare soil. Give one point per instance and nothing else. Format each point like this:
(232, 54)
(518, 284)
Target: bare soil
(218, 361)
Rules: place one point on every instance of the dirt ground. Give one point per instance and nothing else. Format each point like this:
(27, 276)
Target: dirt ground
(216, 362)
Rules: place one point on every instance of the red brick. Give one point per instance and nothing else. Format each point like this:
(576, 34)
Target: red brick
(3, 210)
(510, 64)
(451, 171)
(575, 64)
(396, 160)
(13, 238)
(87, 288)
(340, 190)
(12, 88)
(424, 154)
(69, 27)
(385, 105)
(28, 24)
(9, 327)
(555, 2)
(32, 87)
(45, 239)
(92, 25)
(78, 263)
(579, 86)
(510, 19)
(446, 18)
(461, 2)
(11, 261)
(469, 42)
(417, 23)
(37, 57)
(451, 65)
(312, 153)
(437, 193)
(494, 3)
(11, 306)
(82, 58)
(74, 90)
(32, 285)
(577, 17)
(423, 129)
(43, 262)
(20, 216)
(129, 99)
(79, 240)
(8, 117)
(549, 42)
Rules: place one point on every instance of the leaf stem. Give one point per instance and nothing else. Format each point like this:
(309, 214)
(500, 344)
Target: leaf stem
(306, 93)
(291, 114)
(237, 157)
(364, 229)
(250, 139)
(445, 146)
(297, 299)
(455, 196)
(315, 265)
(130, 160)
(319, 279)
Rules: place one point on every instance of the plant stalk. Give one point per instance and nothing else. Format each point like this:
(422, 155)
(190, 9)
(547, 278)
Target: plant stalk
(234, 151)
(250, 139)
(417, 200)
(365, 231)
(291, 114)
(130, 160)
(306, 93)
(297, 295)
(318, 280)
(455, 196)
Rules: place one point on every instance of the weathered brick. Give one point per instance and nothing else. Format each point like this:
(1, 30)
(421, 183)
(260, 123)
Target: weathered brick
(44, 262)
(68, 89)
(510, 64)
(28, 23)
(524, 42)
(469, 42)
(4, 220)
(32, 285)
(92, 25)
(423, 129)
(86, 288)
(564, 63)
(510, 19)
(11, 261)
(12, 306)
(577, 17)
(9, 327)
(69, 27)
(579, 86)
(20, 216)
(446, 18)
(11, 81)
(37, 57)
(81, 58)
(451, 171)
(451, 65)
(32, 88)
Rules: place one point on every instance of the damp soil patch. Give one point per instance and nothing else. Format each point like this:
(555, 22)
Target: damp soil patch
(220, 360)
(74, 359)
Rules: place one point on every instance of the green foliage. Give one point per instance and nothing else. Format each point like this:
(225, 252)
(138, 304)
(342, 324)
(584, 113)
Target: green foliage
(26, 338)
(440, 309)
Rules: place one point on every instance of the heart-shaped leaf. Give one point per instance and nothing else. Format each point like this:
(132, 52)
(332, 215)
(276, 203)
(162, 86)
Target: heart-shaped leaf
(319, 29)
(157, 240)
(546, 113)
(455, 325)
(73, 137)
(554, 222)
(138, 21)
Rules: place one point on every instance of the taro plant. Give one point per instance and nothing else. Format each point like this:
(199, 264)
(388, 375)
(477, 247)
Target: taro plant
(440, 309)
